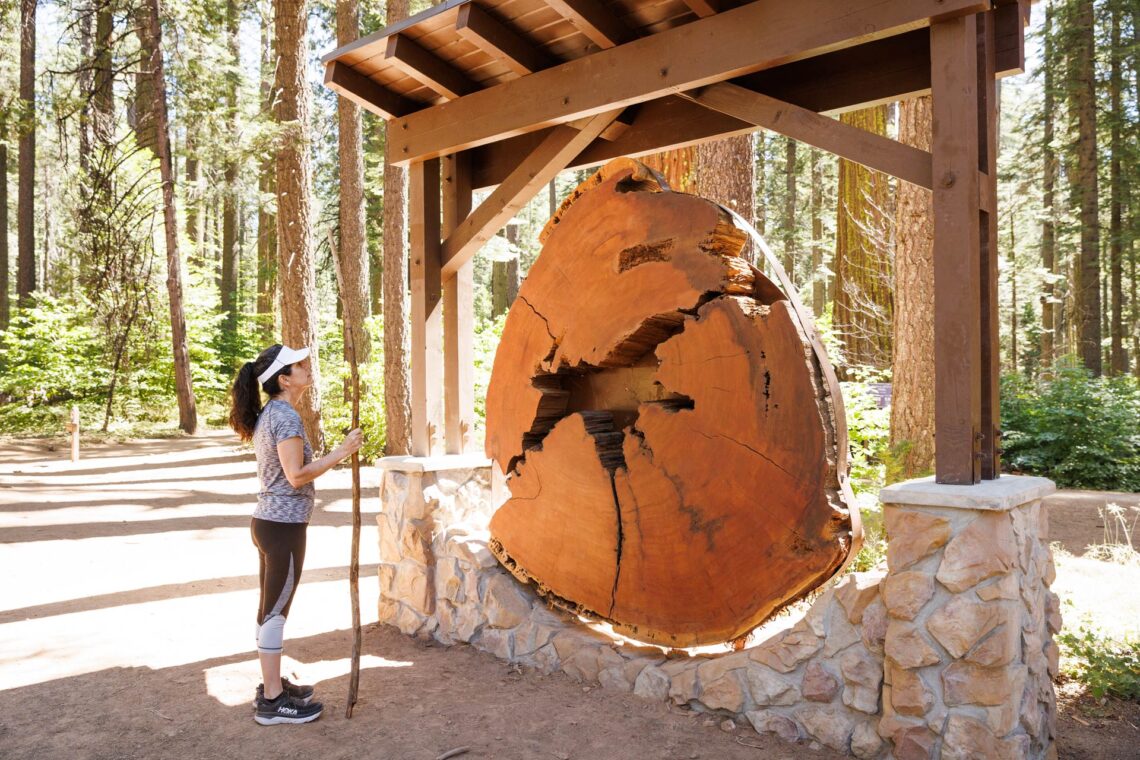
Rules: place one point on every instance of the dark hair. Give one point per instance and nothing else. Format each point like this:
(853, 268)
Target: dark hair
(245, 396)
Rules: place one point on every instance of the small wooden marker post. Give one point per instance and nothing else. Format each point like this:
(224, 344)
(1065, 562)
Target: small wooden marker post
(72, 427)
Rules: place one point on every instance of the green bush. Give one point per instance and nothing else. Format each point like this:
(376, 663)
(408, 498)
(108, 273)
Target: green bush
(1107, 666)
(1080, 431)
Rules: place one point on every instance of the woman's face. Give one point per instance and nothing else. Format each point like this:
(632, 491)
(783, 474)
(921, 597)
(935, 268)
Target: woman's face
(301, 376)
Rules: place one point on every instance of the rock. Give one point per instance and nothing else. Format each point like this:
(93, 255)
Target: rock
(412, 586)
(546, 659)
(821, 608)
(386, 610)
(582, 665)
(1052, 658)
(787, 650)
(506, 604)
(683, 686)
(767, 688)
(725, 693)
(1001, 719)
(913, 535)
(632, 668)
(474, 551)
(874, 626)
(966, 739)
(964, 683)
(985, 548)
(532, 636)
(496, 641)
(652, 683)
(614, 679)
(728, 725)
(906, 645)
(769, 722)
(905, 594)
(863, 676)
(1001, 647)
(841, 634)
(408, 620)
(960, 623)
(831, 725)
(448, 581)
(909, 693)
(914, 743)
(819, 685)
(856, 591)
(865, 741)
(714, 668)
(415, 543)
(1053, 612)
(1003, 588)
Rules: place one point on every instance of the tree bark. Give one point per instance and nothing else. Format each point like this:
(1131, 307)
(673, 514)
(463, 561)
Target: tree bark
(353, 249)
(187, 408)
(912, 392)
(790, 208)
(5, 305)
(266, 186)
(818, 279)
(143, 104)
(230, 254)
(863, 299)
(1049, 323)
(1118, 363)
(725, 174)
(103, 95)
(1083, 94)
(297, 267)
(26, 190)
(678, 167)
(397, 391)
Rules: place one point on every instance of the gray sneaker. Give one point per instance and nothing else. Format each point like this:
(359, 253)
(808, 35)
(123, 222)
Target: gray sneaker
(285, 709)
(299, 692)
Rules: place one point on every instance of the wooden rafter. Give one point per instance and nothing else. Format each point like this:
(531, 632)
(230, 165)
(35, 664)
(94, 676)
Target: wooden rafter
(532, 172)
(595, 20)
(366, 93)
(498, 40)
(750, 38)
(703, 8)
(427, 68)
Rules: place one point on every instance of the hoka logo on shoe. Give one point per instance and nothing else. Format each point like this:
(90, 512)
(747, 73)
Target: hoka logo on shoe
(287, 710)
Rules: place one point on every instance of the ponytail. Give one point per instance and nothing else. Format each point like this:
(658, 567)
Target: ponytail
(245, 396)
(245, 402)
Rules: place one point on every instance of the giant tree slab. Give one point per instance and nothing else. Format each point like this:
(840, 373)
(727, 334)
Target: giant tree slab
(673, 440)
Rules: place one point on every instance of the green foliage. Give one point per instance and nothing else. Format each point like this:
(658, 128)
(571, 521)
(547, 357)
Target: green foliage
(1080, 431)
(869, 433)
(336, 404)
(1107, 666)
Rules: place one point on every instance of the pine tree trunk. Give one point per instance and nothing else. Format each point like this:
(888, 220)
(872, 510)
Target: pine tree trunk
(103, 94)
(187, 409)
(725, 174)
(912, 392)
(294, 205)
(266, 186)
(352, 250)
(863, 299)
(143, 105)
(372, 127)
(760, 163)
(1118, 363)
(5, 305)
(818, 280)
(26, 199)
(193, 197)
(1083, 94)
(229, 278)
(790, 208)
(84, 80)
(678, 167)
(397, 390)
(1049, 323)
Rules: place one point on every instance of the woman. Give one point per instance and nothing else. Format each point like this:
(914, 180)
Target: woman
(286, 470)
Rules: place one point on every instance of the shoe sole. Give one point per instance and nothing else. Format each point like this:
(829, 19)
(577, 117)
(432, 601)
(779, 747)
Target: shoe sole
(304, 702)
(277, 719)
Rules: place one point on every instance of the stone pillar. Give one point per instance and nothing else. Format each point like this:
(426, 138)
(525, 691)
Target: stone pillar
(424, 502)
(969, 642)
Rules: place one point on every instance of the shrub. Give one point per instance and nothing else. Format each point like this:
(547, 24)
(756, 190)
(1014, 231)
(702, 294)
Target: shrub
(1105, 665)
(1077, 430)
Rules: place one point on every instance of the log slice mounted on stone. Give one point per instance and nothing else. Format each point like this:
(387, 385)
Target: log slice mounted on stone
(672, 439)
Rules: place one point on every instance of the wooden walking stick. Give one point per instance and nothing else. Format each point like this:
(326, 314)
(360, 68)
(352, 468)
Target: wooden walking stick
(354, 562)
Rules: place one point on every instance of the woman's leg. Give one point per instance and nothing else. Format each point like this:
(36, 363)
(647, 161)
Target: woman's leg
(281, 547)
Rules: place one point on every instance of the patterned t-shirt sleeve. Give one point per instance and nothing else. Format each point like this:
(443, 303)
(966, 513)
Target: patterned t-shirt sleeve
(287, 425)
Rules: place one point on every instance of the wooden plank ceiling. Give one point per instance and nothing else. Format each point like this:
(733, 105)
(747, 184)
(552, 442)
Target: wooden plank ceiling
(462, 48)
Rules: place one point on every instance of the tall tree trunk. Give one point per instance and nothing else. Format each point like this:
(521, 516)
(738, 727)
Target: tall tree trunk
(187, 409)
(143, 104)
(372, 127)
(1083, 94)
(84, 80)
(229, 278)
(863, 299)
(505, 277)
(760, 162)
(25, 209)
(5, 306)
(294, 205)
(353, 250)
(1118, 362)
(193, 197)
(678, 167)
(266, 219)
(397, 392)
(1049, 323)
(818, 281)
(103, 94)
(725, 174)
(790, 208)
(912, 392)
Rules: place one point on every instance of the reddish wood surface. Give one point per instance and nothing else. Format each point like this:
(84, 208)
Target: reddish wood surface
(667, 430)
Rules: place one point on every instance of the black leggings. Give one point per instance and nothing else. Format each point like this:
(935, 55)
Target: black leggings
(281, 550)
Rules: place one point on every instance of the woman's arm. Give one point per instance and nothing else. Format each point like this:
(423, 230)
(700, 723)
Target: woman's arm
(291, 452)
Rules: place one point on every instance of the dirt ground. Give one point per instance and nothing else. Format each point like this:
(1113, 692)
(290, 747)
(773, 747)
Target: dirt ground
(126, 631)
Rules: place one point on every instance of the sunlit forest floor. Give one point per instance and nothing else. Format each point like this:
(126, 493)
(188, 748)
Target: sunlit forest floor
(126, 629)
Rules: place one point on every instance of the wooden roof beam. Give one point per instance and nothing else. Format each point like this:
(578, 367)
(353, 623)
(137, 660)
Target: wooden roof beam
(750, 38)
(427, 68)
(529, 176)
(703, 8)
(498, 40)
(594, 20)
(366, 93)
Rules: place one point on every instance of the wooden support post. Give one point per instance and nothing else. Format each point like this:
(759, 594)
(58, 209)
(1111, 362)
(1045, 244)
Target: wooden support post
(458, 315)
(427, 339)
(987, 164)
(957, 254)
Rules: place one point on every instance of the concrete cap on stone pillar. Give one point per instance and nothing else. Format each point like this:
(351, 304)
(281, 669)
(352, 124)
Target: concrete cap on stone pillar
(1003, 494)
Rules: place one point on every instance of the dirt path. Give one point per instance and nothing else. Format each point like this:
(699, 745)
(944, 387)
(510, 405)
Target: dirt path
(126, 619)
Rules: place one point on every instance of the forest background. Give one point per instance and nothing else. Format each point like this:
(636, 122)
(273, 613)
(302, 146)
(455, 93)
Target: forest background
(179, 190)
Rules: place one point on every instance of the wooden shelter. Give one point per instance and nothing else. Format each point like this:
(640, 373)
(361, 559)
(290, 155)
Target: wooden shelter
(508, 93)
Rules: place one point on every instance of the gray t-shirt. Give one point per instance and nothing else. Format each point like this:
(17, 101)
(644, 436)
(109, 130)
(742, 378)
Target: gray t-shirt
(277, 500)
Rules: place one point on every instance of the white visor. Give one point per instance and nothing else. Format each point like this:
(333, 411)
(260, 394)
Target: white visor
(285, 357)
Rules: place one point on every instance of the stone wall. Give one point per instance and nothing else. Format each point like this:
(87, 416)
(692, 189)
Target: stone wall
(862, 672)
